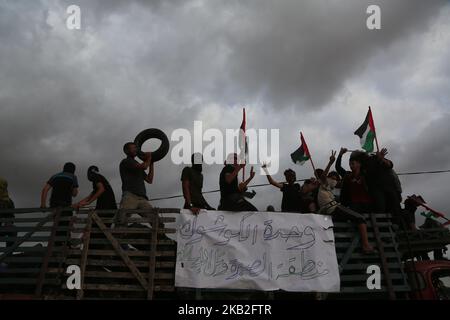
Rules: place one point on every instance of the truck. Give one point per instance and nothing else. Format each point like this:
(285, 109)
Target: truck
(34, 264)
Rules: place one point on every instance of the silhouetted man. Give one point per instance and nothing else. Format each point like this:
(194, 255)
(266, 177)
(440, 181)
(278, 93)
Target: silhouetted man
(192, 184)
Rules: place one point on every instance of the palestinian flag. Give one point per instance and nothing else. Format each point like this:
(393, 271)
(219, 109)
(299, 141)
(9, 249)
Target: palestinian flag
(366, 132)
(301, 155)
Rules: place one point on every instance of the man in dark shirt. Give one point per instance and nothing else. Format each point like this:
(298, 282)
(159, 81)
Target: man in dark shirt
(192, 184)
(101, 191)
(231, 192)
(290, 189)
(133, 175)
(382, 187)
(64, 186)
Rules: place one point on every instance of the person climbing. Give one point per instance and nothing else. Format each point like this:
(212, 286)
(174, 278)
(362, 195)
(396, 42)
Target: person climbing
(64, 187)
(102, 192)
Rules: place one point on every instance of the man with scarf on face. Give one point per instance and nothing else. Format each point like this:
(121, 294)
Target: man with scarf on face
(102, 192)
(192, 184)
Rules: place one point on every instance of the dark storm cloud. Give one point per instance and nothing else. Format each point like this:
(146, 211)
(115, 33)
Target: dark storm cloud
(286, 53)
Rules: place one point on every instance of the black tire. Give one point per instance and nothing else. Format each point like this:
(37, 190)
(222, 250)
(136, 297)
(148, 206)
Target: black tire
(153, 133)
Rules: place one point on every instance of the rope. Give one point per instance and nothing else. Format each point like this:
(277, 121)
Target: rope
(301, 180)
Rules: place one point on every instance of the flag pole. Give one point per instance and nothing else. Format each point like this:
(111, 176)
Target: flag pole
(373, 122)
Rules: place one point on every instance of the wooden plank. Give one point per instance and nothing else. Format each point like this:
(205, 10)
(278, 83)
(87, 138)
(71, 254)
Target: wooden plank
(152, 259)
(127, 275)
(159, 253)
(363, 289)
(27, 249)
(345, 245)
(382, 254)
(119, 287)
(167, 242)
(119, 263)
(28, 240)
(346, 256)
(120, 252)
(127, 230)
(30, 228)
(84, 255)
(363, 277)
(22, 220)
(369, 256)
(112, 287)
(369, 234)
(129, 220)
(20, 240)
(163, 288)
(26, 281)
(20, 270)
(121, 241)
(363, 266)
(44, 266)
(34, 260)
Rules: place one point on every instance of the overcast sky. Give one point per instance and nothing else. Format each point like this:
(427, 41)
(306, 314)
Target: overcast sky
(78, 95)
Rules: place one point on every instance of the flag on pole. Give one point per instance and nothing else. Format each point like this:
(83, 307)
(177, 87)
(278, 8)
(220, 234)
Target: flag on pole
(301, 155)
(243, 143)
(242, 137)
(366, 133)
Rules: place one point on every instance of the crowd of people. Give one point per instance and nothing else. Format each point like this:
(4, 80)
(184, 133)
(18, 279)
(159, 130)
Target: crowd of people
(370, 186)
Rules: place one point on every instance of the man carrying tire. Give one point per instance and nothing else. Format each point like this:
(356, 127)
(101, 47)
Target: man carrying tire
(134, 177)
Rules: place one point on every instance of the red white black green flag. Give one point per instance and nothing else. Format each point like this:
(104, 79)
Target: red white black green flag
(366, 133)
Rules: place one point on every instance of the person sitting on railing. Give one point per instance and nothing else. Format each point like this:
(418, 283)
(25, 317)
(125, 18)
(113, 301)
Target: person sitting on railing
(231, 192)
(192, 184)
(6, 203)
(101, 192)
(329, 206)
(354, 193)
(337, 189)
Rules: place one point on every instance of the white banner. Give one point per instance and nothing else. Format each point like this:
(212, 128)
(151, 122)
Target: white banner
(256, 250)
